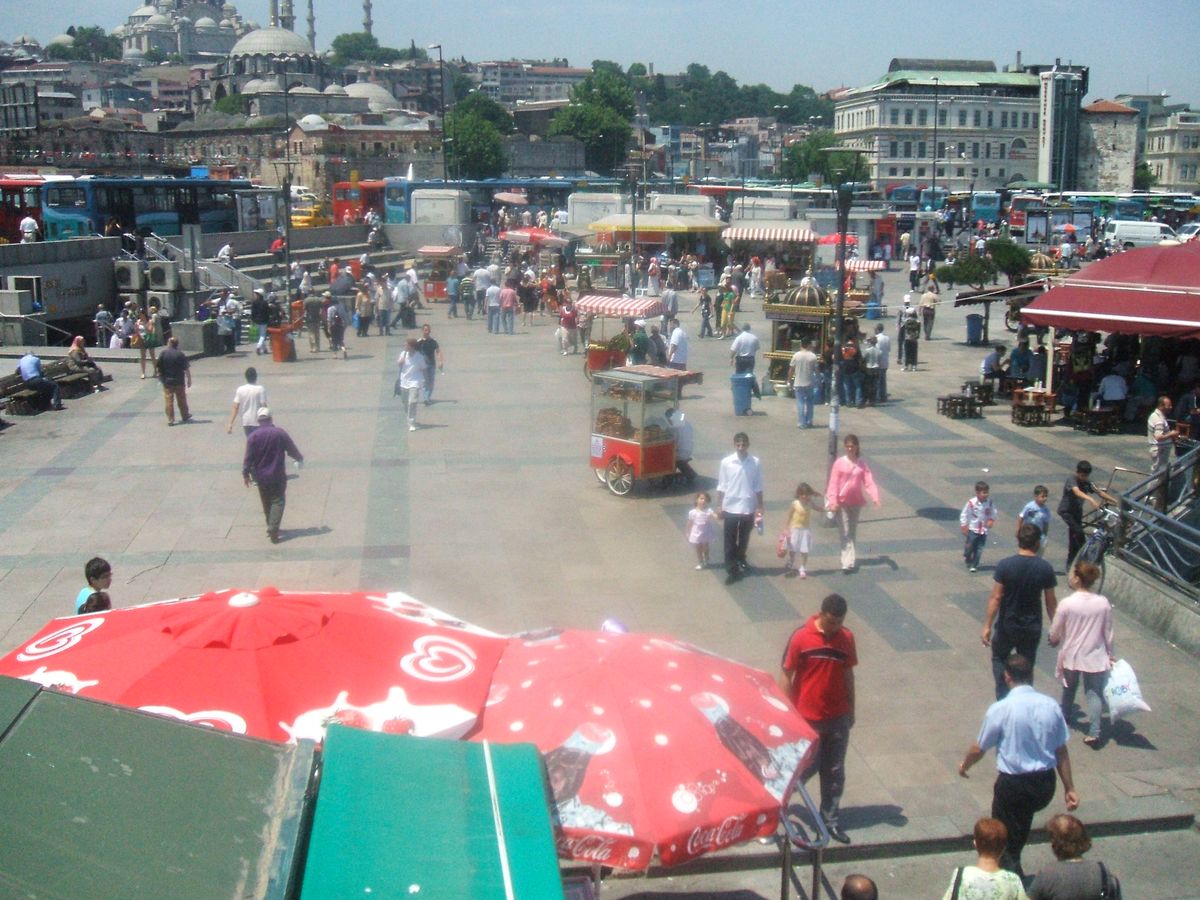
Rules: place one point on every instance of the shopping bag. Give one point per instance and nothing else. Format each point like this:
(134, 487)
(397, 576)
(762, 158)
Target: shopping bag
(781, 545)
(1122, 694)
(252, 333)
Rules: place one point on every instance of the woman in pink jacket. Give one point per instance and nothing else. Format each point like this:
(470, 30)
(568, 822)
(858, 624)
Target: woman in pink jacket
(851, 484)
(1082, 630)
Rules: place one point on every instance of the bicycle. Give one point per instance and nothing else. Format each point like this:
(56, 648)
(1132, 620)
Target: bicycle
(1105, 524)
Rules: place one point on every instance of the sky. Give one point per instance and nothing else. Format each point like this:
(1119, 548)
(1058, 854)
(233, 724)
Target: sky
(1134, 46)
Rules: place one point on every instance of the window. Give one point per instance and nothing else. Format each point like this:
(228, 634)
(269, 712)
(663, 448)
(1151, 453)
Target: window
(975, 151)
(1018, 144)
(941, 173)
(987, 150)
(1000, 173)
(920, 171)
(920, 149)
(908, 149)
(942, 117)
(908, 172)
(1024, 120)
(962, 149)
(894, 149)
(960, 172)
(1002, 149)
(892, 170)
(922, 117)
(908, 117)
(987, 173)
(894, 116)
(977, 118)
(940, 151)
(989, 118)
(962, 118)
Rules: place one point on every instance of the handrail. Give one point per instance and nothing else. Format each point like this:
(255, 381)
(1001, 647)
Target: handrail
(37, 317)
(796, 835)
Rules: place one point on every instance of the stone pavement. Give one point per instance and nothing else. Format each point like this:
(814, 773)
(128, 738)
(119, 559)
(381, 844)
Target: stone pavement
(490, 511)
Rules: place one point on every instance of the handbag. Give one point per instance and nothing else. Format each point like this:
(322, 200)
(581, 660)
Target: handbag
(135, 341)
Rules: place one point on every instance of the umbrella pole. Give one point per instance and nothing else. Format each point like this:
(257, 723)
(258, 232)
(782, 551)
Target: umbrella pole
(786, 869)
(596, 871)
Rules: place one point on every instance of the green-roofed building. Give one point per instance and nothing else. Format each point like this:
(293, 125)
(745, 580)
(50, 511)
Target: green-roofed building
(960, 124)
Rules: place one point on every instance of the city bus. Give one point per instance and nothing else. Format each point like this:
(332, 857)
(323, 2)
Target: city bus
(86, 206)
(933, 198)
(351, 200)
(548, 193)
(18, 199)
(985, 207)
(1017, 208)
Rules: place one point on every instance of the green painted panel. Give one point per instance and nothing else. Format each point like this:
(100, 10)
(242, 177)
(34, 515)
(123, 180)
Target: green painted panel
(402, 816)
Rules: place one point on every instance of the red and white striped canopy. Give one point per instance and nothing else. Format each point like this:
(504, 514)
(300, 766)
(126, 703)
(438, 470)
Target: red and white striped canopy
(865, 265)
(796, 234)
(619, 307)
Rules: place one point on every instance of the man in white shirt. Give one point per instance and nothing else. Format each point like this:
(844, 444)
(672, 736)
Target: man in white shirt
(28, 229)
(225, 255)
(742, 351)
(884, 343)
(1113, 391)
(247, 401)
(413, 367)
(1160, 436)
(739, 503)
(677, 346)
(800, 372)
(483, 281)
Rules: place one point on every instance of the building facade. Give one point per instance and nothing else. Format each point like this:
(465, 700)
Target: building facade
(513, 80)
(1173, 151)
(1108, 147)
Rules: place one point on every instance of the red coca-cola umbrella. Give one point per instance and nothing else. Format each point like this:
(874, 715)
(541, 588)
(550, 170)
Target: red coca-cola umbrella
(273, 664)
(534, 236)
(651, 745)
(851, 240)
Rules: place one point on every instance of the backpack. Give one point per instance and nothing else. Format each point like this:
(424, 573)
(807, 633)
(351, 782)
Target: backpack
(912, 328)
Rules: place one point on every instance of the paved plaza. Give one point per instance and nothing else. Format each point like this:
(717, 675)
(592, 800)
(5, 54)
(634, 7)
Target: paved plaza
(490, 511)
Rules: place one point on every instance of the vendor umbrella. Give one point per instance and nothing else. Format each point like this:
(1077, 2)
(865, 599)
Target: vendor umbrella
(273, 664)
(827, 239)
(534, 236)
(623, 307)
(511, 198)
(651, 745)
(865, 265)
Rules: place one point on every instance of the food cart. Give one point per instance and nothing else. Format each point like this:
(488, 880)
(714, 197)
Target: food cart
(799, 313)
(606, 353)
(434, 265)
(631, 437)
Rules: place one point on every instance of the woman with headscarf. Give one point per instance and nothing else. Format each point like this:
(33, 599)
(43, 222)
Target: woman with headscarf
(79, 361)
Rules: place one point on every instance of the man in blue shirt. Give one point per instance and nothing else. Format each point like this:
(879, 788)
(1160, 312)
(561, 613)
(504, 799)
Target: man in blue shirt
(1030, 736)
(265, 461)
(30, 370)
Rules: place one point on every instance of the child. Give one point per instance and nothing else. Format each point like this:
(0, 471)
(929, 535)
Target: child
(99, 579)
(704, 304)
(700, 528)
(976, 519)
(799, 534)
(97, 602)
(1037, 513)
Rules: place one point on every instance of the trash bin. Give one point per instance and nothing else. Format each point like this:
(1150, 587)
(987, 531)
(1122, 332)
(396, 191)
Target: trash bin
(283, 348)
(974, 329)
(742, 385)
(873, 309)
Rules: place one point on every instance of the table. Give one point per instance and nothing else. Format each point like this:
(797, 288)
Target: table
(981, 391)
(1033, 406)
(960, 406)
(1097, 421)
(1010, 383)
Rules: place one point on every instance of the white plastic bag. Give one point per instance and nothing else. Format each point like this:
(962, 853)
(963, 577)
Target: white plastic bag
(1122, 694)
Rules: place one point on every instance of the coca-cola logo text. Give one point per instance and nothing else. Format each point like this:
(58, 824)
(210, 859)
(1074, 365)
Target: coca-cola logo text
(587, 846)
(716, 836)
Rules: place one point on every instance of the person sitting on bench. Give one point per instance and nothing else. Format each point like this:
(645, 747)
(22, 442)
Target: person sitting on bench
(30, 370)
(79, 361)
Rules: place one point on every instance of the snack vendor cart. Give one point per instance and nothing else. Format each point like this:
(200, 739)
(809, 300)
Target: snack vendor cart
(434, 265)
(631, 437)
(602, 353)
(803, 312)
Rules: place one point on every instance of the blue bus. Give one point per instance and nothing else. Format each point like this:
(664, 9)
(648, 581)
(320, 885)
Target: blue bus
(933, 198)
(985, 206)
(538, 193)
(87, 206)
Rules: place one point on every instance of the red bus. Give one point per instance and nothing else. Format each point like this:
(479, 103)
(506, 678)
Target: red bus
(18, 198)
(353, 198)
(1016, 211)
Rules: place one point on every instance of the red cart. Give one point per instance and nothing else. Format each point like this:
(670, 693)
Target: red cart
(601, 355)
(434, 267)
(631, 437)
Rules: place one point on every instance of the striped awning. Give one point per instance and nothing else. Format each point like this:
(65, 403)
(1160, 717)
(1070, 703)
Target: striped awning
(797, 234)
(865, 265)
(438, 250)
(619, 307)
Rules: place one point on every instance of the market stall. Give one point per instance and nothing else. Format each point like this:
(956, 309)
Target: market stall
(631, 435)
(800, 313)
(434, 266)
(790, 242)
(603, 352)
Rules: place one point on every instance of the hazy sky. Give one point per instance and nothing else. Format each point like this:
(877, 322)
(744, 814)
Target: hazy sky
(1134, 46)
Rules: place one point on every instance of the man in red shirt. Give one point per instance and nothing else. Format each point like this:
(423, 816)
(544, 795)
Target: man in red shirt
(818, 676)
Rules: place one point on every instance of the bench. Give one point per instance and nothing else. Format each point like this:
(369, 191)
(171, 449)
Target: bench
(981, 391)
(1096, 421)
(959, 406)
(23, 401)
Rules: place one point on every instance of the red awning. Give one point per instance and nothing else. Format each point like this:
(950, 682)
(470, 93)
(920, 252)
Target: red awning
(865, 265)
(619, 307)
(438, 250)
(779, 233)
(1150, 291)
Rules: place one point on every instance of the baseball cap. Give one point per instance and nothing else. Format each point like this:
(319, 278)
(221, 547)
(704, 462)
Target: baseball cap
(264, 413)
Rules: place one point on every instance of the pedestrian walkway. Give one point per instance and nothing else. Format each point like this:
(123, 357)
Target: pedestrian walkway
(490, 511)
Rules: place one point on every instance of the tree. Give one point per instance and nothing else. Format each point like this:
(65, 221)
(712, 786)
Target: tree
(606, 88)
(1010, 258)
(358, 46)
(1143, 177)
(92, 44)
(233, 105)
(474, 145)
(968, 269)
(603, 132)
(486, 108)
(811, 157)
(636, 70)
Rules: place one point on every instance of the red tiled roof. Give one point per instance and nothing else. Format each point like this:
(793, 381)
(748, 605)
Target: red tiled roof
(1109, 106)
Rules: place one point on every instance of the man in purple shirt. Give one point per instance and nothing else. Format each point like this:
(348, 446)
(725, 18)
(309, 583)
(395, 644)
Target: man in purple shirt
(265, 462)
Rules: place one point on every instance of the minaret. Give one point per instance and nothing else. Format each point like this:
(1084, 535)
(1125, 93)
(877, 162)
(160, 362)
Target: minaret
(367, 23)
(273, 15)
(287, 16)
(312, 25)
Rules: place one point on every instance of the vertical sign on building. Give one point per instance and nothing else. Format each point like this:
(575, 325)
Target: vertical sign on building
(1045, 157)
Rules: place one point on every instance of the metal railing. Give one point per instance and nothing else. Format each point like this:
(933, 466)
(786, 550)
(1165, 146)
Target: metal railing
(1158, 531)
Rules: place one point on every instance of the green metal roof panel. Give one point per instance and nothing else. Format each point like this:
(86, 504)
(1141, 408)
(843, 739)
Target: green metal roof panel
(950, 80)
(15, 695)
(403, 816)
(100, 801)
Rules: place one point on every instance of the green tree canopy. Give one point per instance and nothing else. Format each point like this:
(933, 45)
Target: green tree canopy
(603, 131)
(811, 157)
(1143, 177)
(474, 145)
(233, 105)
(358, 46)
(92, 44)
(486, 108)
(1010, 258)
(606, 88)
(968, 269)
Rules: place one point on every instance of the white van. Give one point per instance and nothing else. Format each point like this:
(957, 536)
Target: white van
(1120, 233)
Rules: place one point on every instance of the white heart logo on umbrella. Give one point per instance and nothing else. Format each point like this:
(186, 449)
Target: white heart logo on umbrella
(437, 658)
(58, 641)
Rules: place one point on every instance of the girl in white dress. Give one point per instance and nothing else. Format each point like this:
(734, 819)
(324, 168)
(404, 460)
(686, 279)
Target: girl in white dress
(700, 527)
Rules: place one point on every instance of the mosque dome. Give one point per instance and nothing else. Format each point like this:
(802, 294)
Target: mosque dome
(303, 89)
(144, 12)
(335, 90)
(228, 10)
(272, 42)
(62, 40)
(204, 23)
(312, 120)
(377, 96)
(225, 23)
(133, 54)
(255, 85)
(158, 19)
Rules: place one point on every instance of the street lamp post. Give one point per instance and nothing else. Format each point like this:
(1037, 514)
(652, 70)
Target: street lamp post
(937, 82)
(843, 197)
(281, 70)
(442, 88)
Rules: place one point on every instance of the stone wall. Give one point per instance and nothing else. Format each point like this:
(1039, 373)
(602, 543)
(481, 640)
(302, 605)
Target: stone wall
(1107, 151)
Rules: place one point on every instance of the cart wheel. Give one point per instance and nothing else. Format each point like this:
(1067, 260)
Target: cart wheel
(619, 477)
(601, 476)
(1012, 320)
